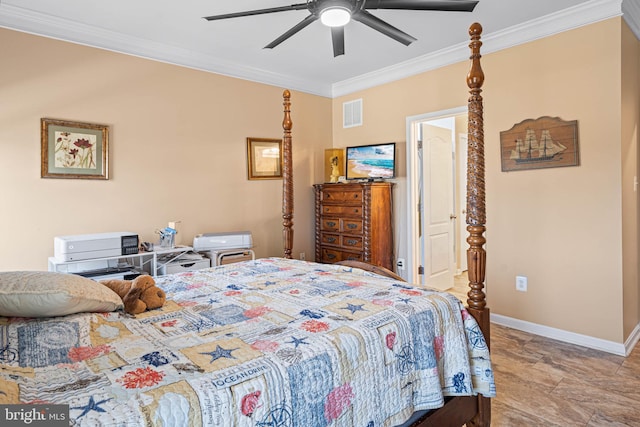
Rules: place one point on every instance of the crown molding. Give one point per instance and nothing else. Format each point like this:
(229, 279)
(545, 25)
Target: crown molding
(28, 21)
(564, 20)
(631, 14)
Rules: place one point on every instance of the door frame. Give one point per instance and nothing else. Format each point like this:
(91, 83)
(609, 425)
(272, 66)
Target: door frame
(413, 240)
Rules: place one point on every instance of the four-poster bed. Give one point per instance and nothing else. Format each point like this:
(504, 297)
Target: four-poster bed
(472, 410)
(272, 342)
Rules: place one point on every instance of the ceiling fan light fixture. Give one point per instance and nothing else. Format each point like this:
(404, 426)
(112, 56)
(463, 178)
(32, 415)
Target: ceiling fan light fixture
(335, 16)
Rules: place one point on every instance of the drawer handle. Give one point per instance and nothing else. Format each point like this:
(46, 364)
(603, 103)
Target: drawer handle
(352, 226)
(331, 256)
(356, 210)
(352, 242)
(353, 258)
(331, 224)
(188, 265)
(331, 239)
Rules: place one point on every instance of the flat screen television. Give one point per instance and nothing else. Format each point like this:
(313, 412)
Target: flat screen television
(376, 161)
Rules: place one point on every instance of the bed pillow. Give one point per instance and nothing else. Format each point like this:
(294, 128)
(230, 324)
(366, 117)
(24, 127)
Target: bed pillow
(48, 294)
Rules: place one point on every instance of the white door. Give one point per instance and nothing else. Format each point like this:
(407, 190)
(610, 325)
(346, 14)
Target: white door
(461, 208)
(437, 245)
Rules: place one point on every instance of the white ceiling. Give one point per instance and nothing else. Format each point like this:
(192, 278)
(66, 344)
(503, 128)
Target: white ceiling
(175, 32)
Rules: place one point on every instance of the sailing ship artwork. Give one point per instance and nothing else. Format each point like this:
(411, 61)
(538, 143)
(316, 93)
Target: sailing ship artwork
(541, 143)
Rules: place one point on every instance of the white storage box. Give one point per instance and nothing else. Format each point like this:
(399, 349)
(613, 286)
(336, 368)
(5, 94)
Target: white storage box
(181, 265)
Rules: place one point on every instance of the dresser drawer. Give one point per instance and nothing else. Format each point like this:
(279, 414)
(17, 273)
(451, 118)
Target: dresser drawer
(341, 225)
(342, 196)
(342, 210)
(351, 242)
(352, 226)
(330, 239)
(330, 224)
(333, 255)
(346, 242)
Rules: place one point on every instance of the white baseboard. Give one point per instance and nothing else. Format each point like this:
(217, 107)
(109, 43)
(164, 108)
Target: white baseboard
(571, 337)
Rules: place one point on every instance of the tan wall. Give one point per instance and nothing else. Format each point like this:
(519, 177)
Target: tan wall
(177, 150)
(561, 227)
(630, 138)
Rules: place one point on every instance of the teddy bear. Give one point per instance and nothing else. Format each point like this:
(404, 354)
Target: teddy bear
(139, 294)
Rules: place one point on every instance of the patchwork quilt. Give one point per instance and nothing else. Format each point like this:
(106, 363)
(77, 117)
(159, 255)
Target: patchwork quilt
(271, 342)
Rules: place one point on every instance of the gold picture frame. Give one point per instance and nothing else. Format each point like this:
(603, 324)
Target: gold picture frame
(264, 158)
(74, 150)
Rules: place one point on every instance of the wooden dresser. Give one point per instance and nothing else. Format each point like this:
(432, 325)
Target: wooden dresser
(353, 222)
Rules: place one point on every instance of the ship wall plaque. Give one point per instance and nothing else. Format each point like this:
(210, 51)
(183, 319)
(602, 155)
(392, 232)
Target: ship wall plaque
(546, 142)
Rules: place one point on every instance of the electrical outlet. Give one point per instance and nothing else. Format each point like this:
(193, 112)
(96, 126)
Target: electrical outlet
(521, 283)
(400, 263)
(303, 256)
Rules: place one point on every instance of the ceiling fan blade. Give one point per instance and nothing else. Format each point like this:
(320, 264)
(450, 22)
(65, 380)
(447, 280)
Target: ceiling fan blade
(337, 37)
(444, 5)
(299, 6)
(379, 25)
(299, 26)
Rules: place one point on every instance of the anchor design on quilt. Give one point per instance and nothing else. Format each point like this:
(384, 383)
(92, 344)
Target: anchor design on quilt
(220, 352)
(92, 405)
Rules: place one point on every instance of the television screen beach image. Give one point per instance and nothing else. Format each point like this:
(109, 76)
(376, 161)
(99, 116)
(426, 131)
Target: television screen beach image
(371, 161)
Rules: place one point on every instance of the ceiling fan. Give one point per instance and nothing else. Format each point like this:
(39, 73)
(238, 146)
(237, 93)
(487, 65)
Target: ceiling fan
(337, 13)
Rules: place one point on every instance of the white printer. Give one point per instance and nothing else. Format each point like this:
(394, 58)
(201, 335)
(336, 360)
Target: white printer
(225, 248)
(219, 241)
(88, 246)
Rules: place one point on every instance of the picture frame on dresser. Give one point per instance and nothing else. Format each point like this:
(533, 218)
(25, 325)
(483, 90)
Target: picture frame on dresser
(74, 150)
(264, 158)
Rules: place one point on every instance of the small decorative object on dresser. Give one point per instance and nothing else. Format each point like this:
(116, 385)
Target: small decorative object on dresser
(353, 222)
(333, 164)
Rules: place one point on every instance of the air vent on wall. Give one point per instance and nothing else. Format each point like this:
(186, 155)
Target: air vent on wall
(352, 113)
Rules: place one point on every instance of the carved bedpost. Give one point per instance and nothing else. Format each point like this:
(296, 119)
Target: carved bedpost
(476, 210)
(287, 177)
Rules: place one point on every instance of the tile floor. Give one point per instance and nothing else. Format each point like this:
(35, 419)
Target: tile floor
(544, 382)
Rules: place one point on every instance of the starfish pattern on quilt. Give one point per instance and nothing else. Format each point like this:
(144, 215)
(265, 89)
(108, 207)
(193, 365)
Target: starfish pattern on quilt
(353, 308)
(92, 405)
(220, 352)
(297, 341)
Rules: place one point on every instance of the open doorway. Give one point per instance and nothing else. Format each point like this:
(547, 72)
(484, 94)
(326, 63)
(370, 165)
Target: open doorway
(436, 180)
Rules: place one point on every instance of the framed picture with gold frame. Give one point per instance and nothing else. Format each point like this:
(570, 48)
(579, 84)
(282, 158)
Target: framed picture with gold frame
(74, 150)
(264, 158)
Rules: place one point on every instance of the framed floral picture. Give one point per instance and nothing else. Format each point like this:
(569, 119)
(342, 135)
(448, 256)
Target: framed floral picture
(264, 158)
(74, 150)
